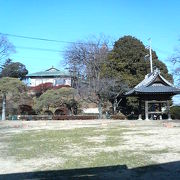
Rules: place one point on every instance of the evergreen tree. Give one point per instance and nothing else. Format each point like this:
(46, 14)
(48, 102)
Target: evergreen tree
(127, 61)
(11, 86)
(55, 98)
(16, 70)
(6, 63)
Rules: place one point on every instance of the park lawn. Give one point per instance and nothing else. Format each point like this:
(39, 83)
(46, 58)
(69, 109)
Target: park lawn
(95, 149)
(76, 148)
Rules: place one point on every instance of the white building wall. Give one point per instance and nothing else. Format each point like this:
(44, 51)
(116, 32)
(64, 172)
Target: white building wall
(68, 81)
(37, 81)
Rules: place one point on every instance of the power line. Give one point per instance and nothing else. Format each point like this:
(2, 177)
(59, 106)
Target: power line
(35, 38)
(49, 40)
(42, 58)
(38, 49)
(42, 39)
(57, 41)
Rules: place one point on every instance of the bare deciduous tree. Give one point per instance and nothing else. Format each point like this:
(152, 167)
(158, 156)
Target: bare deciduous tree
(113, 90)
(5, 48)
(176, 62)
(85, 60)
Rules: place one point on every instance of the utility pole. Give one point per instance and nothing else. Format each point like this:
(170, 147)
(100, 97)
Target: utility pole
(150, 55)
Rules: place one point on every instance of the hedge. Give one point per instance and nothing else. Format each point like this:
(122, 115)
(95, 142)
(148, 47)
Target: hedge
(35, 117)
(80, 117)
(60, 117)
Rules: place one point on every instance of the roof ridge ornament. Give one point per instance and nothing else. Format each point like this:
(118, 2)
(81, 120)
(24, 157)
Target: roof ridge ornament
(150, 55)
(52, 69)
(156, 70)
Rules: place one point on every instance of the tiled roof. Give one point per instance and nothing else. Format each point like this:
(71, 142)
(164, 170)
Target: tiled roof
(149, 86)
(48, 73)
(158, 89)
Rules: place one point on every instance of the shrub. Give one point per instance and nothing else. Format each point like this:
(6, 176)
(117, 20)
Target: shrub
(118, 116)
(175, 112)
(34, 117)
(42, 87)
(49, 117)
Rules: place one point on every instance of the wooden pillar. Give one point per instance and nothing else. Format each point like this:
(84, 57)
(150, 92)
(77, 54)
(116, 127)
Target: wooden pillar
(146, 110)
(160, 109)
(168, 109)
(140, 110)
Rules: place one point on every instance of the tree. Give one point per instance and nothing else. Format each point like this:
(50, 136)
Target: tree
(41, 88)
(5, 48)
(87, 60)
(11, 86)
(6, 63)
(113, 89)
(55, 98)
(175, 112)
(15, 103)
(127, 61)
(16, 70)
(84, 59)
(175, 59)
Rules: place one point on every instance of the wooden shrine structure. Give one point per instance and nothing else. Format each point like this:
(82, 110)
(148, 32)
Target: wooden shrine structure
(155, 91)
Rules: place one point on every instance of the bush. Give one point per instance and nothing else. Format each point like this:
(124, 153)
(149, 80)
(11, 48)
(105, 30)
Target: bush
(118, 116)
(175, 112)
(35, 117)
(60, 117)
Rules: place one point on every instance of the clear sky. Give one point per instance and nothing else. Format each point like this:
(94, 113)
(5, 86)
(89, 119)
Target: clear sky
(72, 20)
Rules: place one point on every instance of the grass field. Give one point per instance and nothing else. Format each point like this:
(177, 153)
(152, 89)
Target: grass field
(69, 145)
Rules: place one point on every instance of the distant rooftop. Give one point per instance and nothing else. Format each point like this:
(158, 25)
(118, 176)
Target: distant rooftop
(51, 72)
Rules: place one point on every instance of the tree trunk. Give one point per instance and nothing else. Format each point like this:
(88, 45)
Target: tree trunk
(100, 109)
(115, 105)
(70, 111)
(4, 107)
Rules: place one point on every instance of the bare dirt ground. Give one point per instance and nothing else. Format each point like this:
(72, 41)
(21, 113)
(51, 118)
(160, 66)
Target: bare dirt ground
(31, 146)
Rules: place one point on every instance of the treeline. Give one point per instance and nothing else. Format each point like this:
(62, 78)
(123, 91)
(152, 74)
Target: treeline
(101, 74)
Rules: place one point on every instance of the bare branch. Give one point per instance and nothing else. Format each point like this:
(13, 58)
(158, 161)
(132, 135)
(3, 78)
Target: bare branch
(5, 48)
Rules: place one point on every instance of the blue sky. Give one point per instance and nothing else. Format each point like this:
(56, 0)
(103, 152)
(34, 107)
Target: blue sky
(72, 20)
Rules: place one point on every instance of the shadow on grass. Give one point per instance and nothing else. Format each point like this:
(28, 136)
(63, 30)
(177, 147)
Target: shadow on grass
(170, 171)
